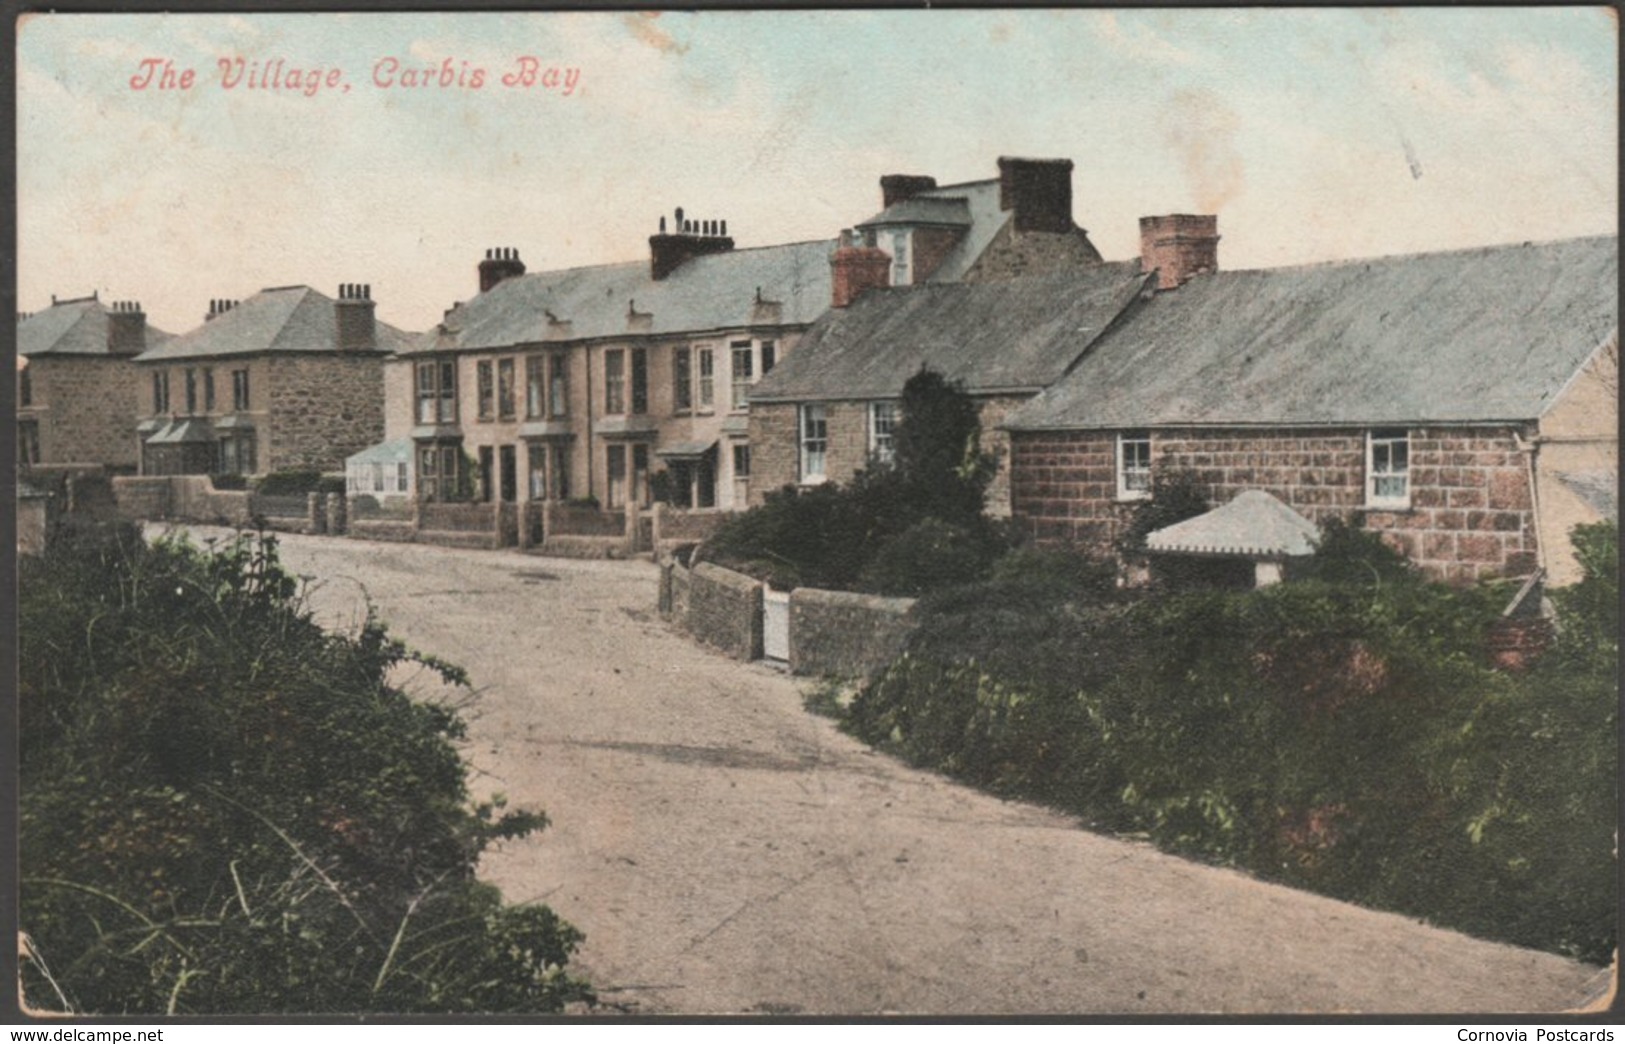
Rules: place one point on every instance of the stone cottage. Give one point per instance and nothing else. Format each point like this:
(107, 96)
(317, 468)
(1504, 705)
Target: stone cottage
(289, 378)
(77, 382)
(1464, 405)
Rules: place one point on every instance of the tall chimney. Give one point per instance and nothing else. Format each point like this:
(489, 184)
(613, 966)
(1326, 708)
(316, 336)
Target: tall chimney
(126, 328)
(894, 188)
(855, 268)
(691, 238)
(500, 263)
(1039, 191)
(1179, 246)
(353, 313)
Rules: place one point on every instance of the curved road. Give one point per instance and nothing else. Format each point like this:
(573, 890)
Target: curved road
(726, 851)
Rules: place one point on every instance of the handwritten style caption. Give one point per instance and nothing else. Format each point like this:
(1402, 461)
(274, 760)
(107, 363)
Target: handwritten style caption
(524, 72)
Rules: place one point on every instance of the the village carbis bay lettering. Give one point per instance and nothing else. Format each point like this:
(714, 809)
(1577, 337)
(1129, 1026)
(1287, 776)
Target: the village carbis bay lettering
(281, 75)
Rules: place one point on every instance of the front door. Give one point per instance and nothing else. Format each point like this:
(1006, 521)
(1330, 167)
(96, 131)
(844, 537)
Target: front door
(510, 474)
(487, 473)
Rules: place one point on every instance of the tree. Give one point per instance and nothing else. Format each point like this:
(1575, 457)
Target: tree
(939, 459)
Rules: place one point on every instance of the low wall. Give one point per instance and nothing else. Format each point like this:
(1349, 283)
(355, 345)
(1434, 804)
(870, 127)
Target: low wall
(832, 633)
(183, 498)
(141, 498)
(725, 611)
(846, 635)
(392, 530)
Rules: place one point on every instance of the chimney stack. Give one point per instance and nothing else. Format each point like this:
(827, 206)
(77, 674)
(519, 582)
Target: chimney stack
(219, 306)
(691, 238)
(500, 263)
(126, 328)
(1179, 246)
(856, 267)
(357, 331)
(1039, 191)
(894, 188)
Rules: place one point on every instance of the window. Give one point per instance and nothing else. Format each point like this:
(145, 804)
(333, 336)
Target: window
(27, 443)
(561, 472)
(25, 387)
(237, 454)
(640, 474)
(615, 381)
(616, 469)
(505, 389)
(882, 424)
(1133, 465)
(1388, 468)
(640, 380)
(742, 461)
(707, 389)
(208, 391)
(770, 357)
(160, 392)
(535, 386)
(191, 391)
(814, 441)
(899, 259)
(558, 387)
(402, 480)
(537, 455)
(239, 389)
(743, 374)
(485, 387)
(682, 379)
(437, 391)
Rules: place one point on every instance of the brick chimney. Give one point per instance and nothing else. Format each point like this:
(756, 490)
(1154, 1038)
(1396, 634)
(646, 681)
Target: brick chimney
(1179, 246)
(894, 188)
(1039, 191)
(687, 239)
(126, 328)
(500, 263)
(357, 330)
(856, 267)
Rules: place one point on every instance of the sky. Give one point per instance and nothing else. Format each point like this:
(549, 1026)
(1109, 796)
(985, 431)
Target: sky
(1314, 135)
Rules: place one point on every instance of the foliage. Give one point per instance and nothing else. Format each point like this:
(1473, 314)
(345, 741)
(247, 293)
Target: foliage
(294, 481)
(1348, 554)
(1345, 735)
(877, 532)
(226, 483)
(226, 809)
(1175, 496)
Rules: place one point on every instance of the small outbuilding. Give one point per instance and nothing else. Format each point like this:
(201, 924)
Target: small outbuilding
(1254, 527)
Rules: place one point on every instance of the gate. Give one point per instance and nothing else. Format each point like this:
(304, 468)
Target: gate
(776, 625)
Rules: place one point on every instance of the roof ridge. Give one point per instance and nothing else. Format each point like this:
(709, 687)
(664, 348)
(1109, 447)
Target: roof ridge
(1483, 248)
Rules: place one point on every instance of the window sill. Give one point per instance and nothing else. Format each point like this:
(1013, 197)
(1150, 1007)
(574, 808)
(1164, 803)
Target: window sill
(1130, 497)
(1394, 507)
(813, 480)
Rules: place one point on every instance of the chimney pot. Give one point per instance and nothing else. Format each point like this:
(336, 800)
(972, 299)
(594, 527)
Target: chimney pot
(662, 224)
(724, 226)
(679, 219)
(500, 263)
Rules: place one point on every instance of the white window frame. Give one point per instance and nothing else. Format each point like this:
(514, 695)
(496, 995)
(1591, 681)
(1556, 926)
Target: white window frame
(902, 264)
(705, 377)
(1380, 465)
(883, 443)
(813, 442)
(742, 373)
(1133, 477)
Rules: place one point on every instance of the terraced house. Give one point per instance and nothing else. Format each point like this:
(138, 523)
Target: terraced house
(77, 382)
(1464, 405)
(288, 378)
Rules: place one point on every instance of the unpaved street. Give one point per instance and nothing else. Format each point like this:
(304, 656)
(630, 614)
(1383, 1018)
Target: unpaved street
(726, 851)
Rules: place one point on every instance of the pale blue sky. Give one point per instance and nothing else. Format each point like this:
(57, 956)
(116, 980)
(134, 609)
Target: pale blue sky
(1314, 134)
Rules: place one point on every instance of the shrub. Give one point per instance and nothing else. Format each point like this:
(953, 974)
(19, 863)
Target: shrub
(1175, 496)
(1338, 734)
(229, 482)
(290, 482)
(1348, 554)
(928, 555)
(226, 809)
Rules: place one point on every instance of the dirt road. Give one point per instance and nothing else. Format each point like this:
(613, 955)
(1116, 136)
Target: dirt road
(726, 851)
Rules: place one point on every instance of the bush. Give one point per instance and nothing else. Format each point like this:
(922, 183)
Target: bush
(226, 809)
(1342, 735)
(926, 556)
(229, 482)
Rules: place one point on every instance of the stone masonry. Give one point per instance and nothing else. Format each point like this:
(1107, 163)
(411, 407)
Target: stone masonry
(1471, 513)
(85, 406)
(321, 408)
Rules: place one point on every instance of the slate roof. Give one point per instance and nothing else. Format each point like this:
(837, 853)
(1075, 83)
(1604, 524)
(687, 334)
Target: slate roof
(714, 292)
(1254, 524)
(923, 210)
(1490, 334)
(279, 319)
(1014, 336)
(986, 220)
(77, 327)
(394, 451)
